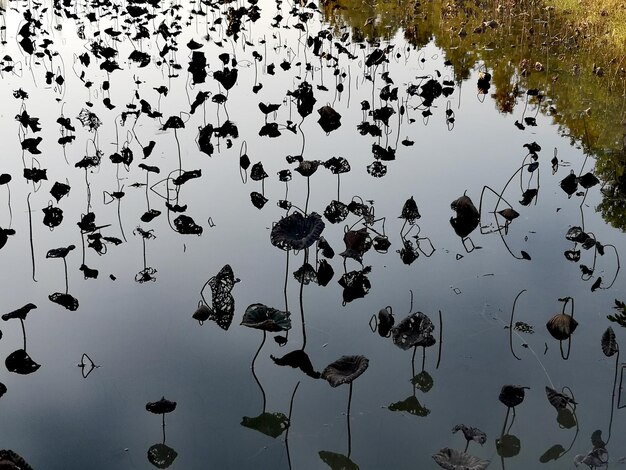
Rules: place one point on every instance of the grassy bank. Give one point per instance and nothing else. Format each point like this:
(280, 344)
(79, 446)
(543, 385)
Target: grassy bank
(596, 19)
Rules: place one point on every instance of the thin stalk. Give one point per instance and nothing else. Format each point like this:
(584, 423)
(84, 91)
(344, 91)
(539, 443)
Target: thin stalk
(613, 396)
(293, 395)
(66, 281)
(511, 326)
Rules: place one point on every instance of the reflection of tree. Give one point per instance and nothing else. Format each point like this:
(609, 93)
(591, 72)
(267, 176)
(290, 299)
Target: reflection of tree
(586, 105)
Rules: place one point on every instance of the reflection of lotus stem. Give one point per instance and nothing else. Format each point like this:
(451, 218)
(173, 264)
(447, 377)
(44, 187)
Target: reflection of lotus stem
(293, 395)
(143, 241)
(254, 374)
(285, 289)
(466, 445)
(348, 418)
(163, 424)
(180, 162)
(306, 259)
(511, 325)
(413, 368)
(10, 209)
(24, 336)
(338, 186)
(440, 340)
(575, 419)
(423, 357)
(506, 418)
(616, 271)
(564, 356)
(613, 396)
(30, 232)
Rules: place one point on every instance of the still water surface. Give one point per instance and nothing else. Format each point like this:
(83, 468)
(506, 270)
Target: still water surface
(447, 138)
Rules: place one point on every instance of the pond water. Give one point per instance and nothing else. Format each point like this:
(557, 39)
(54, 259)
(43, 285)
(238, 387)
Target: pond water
(234, 104)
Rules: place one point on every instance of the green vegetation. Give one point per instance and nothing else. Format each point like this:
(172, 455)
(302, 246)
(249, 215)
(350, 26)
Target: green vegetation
(578, 67)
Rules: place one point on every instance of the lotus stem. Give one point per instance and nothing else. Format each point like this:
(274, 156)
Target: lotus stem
(440, 340)
(24, 338)
(348, 419)
(293, 396)
(613, 395)
(30, 233)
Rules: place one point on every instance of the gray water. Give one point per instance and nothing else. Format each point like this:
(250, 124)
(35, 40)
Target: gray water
(143, 337)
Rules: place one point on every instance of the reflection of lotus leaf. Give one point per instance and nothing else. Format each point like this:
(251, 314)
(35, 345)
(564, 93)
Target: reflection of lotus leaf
(451, 459)
(65, 300)
(410, 405)
(566, 418)
(414, 330)
(161, 456)
(337, 461)
(297, 359)
(508, 446)
(344, 370)
(270, 424)
(553, 453)
(266, 318)
(423, 381)
(296, 232)
(20, 362)
(336, 212)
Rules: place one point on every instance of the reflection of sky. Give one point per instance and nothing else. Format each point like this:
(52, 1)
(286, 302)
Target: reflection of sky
(148, 345)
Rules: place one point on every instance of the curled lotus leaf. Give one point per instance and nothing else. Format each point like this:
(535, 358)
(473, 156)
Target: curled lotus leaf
(451, 459)
(11, 460)
(470, 433)
(609, 344)
(414, 330)
(512, 395)
(557, 399)
(161, 407)
(596, 458)
(561, 326)
(305, 274)
(345, 370)
(270, 424)
(337, 165)
(262, 317)
(410, 212)
(296, 231)
(161, 455)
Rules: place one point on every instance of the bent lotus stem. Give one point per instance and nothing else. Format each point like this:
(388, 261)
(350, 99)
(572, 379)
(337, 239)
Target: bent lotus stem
(306, 259)
(163, 426)
(564, 356)
(616, 271)
(254, 373)
(511, 325)
(569, 390)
